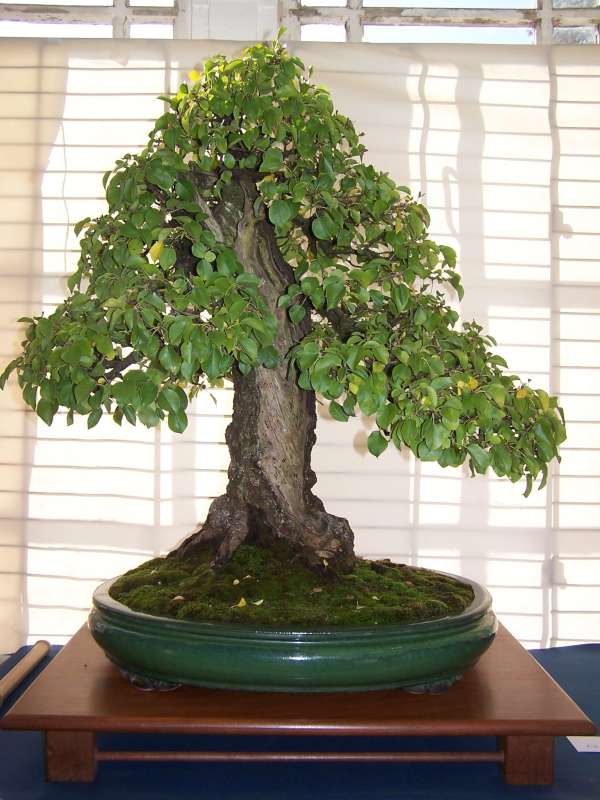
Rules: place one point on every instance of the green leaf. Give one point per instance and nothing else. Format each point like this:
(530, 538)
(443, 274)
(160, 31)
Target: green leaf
(380, 352)
(178, 421)
(545, 439)
(168, 257)
(400, 295)
(170, 400)
(377, 443)
(334, 292)
(269, 357)
(250, 346)
(430, 393)
(436, 434)
(544, 399)
(425, 453)
(256, 324)
(281, 211)
(247, 280)
(544, 480)
(450, 418)
(451, 457)
(83, 389)
(366, 399)
(481, 458)
(497, 392)
(307, 354)
(46, 411)
(94, 417)
(441, 383)
(324, 227)
(501, 459)
(30, 395)
(337, 412)
(169, 359)
(272, 160)
(411, 432)
(148, 417)
(77, 352)
(160, 176)
(176, 329)
(304, 381)
(387, 416)
(420, 316)
(130, 414)
(227, 263)
(297, 313)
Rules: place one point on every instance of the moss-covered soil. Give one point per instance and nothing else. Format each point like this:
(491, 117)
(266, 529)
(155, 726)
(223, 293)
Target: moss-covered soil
(269, 587)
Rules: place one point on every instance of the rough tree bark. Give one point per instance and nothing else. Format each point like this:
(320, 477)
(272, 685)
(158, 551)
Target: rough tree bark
(272, 432)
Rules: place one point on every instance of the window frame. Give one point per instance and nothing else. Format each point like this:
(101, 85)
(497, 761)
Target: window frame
(542, 20)
(120, 15)
(293, 15)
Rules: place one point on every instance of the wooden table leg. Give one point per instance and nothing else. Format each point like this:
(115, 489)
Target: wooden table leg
(528, 760)
(70, 756)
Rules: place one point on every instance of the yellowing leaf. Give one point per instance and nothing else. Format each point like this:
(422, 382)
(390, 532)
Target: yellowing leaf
(257, 602)
(156, 250)
(241, 604)
(473, 383)
(544, 399)
(522, 392)
(194, 75)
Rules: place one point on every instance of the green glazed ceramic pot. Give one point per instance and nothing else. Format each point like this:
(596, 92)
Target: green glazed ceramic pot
(161, 653)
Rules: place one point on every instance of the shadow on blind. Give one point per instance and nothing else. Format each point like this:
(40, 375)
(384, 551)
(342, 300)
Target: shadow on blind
(503, 142)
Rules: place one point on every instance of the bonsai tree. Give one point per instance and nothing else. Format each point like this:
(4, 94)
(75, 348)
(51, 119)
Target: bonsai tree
(249, 241)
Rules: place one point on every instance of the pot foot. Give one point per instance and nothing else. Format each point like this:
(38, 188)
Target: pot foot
(145, 684)
(434, 687)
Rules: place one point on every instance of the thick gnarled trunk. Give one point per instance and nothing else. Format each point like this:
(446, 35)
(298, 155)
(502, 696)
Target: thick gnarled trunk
(272, 433)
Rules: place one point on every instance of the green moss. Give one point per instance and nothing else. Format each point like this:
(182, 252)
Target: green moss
(269, 587)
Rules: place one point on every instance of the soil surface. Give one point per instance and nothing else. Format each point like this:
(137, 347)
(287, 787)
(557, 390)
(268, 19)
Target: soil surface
(270, 587)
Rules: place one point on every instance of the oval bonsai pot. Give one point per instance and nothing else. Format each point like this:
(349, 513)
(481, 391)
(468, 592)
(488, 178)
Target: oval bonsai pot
(161, 652)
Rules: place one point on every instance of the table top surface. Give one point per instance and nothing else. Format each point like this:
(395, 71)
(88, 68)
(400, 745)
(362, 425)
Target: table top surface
(507, 692)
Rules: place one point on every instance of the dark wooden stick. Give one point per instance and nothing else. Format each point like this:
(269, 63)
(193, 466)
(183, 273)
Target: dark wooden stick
(182, 755)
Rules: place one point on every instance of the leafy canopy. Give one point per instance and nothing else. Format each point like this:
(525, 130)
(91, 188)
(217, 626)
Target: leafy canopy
(160, 306)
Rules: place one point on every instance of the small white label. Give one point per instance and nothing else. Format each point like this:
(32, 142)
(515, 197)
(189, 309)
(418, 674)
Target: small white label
(585, 744)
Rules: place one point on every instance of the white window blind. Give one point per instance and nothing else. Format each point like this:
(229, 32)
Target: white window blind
(504, 142)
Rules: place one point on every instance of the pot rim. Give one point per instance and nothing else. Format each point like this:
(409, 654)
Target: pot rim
(114, 609)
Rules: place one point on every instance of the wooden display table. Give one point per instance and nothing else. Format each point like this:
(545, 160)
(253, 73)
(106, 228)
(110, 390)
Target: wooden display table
(507, 695)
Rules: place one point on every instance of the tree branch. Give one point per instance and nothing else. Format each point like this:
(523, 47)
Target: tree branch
(119, 364)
